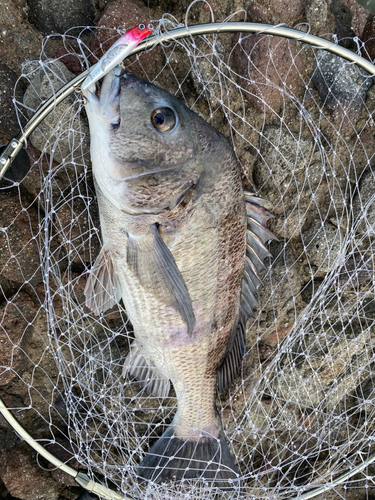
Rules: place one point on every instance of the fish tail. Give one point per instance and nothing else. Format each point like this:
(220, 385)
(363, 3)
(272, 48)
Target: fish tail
(205, 457)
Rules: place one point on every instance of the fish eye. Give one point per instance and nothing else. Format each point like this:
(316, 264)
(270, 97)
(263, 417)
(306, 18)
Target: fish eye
(163, 119)
(141, 26)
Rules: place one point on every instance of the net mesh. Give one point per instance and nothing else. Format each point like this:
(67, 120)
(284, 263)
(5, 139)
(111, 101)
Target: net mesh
(302, 412)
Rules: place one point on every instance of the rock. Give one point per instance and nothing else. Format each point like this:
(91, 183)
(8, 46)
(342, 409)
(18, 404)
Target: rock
(358, 14)
(121, 15)
(63, 128)
(23, 478)
(343, 22)
(363, 210)
(268, 68)
(60, 15)
(279, 293)
(368, 37)
(40, 166)
(323, 243)
(9, 126)
(276, 12)
(76, 223)
(342, 86)
(282, 157)
(19, 250)
(19, 40)
(316, 12)
(15, 318)
(8, 439)
(62, 449)
(71, 61)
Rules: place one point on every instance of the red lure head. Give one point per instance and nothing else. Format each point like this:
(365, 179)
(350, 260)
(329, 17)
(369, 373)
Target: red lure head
(139, 32)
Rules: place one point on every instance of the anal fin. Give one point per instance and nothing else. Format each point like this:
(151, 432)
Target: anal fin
(140, 366)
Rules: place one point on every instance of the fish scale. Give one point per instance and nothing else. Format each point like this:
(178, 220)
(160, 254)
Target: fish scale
(183, 248)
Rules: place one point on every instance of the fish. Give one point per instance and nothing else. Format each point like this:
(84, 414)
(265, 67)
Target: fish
(184, 247)
(115, 54)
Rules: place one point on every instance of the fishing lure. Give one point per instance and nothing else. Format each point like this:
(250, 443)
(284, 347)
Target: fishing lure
(117, 53)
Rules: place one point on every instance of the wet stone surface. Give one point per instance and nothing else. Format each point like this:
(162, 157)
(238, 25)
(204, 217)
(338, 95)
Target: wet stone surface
(23, 478)
(267, 66)
(15, 318)
(323, 245)
(363, 208)
(342, 86)
(9, 126)
(44, 82)
(60, 15)
(19, 249)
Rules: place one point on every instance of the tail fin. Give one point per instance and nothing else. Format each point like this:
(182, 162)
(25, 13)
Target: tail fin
(206, 458)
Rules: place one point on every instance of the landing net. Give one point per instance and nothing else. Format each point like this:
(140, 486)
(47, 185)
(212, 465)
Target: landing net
(303, 410)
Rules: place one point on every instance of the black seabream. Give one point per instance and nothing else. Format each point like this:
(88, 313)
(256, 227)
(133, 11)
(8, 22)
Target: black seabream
(183, 247)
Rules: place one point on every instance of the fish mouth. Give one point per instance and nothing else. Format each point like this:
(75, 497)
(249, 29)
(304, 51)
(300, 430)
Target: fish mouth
(104, 100)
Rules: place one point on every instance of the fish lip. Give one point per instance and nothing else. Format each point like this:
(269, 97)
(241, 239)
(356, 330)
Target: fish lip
(106, 105)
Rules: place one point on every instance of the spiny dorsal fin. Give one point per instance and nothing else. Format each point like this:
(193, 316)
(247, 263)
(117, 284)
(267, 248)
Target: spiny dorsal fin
(102, 289)
(256, 236)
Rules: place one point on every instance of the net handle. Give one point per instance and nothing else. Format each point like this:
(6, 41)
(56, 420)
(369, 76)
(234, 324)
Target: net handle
(82, 479)
(16, 144)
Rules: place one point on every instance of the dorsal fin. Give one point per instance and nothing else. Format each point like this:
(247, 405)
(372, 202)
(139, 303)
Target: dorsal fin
(256, 236)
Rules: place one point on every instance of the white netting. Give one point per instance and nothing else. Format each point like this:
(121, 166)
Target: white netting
(303, 411)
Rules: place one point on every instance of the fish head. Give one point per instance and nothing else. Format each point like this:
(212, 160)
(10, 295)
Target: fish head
(147, 148)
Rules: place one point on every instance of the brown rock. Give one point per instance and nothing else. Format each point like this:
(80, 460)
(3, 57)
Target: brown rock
(18, 38)
(368, 36)
(359, 16)
(74, 224)
(276, 336)
(23, 478)
(9, 126)
(19, 251)
(63, 450)
(40, 164)
(15, 316)
(123, 14)
(267, 65)
(278, 11)
(71, 61)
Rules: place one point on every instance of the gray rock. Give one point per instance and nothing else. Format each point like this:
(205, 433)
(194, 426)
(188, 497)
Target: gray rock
(281, 286)
(316, 13)
(18, 38)
(60, 15)
(63, 133)
(363, 208)
(283, 155)
(9, 126)
(342, 86)
(323, 245)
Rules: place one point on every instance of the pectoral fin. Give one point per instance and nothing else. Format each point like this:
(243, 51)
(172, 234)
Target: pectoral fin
(151, 260)
(102, 289)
